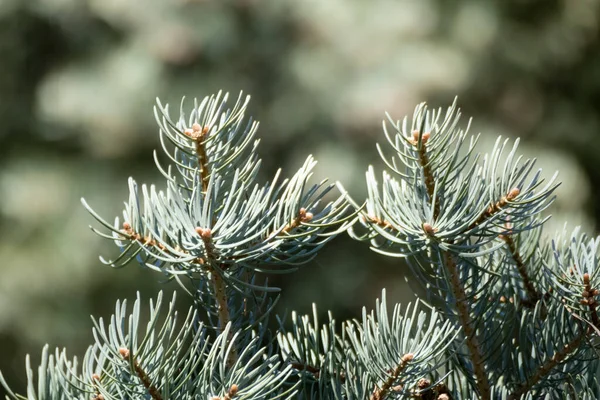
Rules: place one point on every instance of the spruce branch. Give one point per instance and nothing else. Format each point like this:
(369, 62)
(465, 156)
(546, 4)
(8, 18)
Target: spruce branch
(532, 294)
(467, 324)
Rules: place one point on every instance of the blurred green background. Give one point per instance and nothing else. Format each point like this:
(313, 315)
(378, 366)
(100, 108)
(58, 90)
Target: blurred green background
(78, 81)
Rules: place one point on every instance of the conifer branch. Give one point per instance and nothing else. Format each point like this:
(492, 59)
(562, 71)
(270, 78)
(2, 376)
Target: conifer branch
(198, 134)
(381, 393)
(462, 307)
(496, 207)
(532, 294)
(420, 141)
(544, 369)
(589, 299)
(139, 371)
(462, 304)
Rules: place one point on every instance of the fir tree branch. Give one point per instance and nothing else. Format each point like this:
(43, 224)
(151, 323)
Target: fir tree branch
(197, 134)
(462, 307)
(562, 354)
(558, 357)
(532, 294)
(420, 141)
(380, 393)
(139, 371)
(495, 208)
(302, 216)
(589, 299)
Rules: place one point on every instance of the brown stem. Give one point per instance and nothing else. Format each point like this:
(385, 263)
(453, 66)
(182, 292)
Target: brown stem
(139, 371)
(532, 294)
(545, 369)
(589, 299)
(380, 393)
(427, 171)
(197, 134)
(462, 307)
(495, 208)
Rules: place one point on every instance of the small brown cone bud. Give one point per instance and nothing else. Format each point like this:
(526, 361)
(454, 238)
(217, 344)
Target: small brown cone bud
(206, 234)
(415, 136)
(408, 357)
(307, 217)
(514, 192)
(425, 137)
(126, 226)
(124, 352)
(96, 377)
(428, 229)
(233, 390)
(196, 127)
(586, 278)
(585, 293)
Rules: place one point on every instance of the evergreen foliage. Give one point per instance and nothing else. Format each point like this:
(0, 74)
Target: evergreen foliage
(508, 314)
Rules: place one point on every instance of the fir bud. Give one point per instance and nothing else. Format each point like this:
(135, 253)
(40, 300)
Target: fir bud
(124, 352)
(428, 229)
(514, 192)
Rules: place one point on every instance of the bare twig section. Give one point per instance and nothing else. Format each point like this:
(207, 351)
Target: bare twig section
(532, 294)
(462, 307)
(139, 371)
(427, 171)
(495, 208)
(381, 393)
(197, 134)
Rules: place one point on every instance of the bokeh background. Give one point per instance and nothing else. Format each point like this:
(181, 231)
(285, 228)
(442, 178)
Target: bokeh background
(78, 79)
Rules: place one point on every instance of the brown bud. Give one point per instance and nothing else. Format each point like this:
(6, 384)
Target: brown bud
(428, 229)
(595, 292)
(126, 226)
(206, 234)
(591, 301)
(99, 396)
(96, 377)
(423, 383)
(443, 396)
(586, 278)
(425, 137)
(408, 357)
(188, 132)
(307, 217)
(124, 352)
(196, 127)
(585, 293)
(233, 390)
(502, 299)
(199, 230)
(514, 192)
(415, 136)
